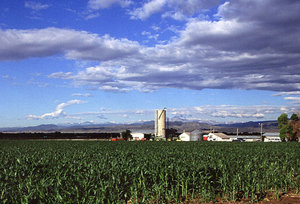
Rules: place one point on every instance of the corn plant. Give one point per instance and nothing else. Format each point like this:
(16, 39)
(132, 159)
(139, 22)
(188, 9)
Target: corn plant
(145, 172)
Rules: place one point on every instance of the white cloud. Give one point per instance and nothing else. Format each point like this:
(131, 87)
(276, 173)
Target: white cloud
(176, 9)
(175, 15)
(222, 9)
(148, 9)
(242, 113)
(102, 4)
(37, 6)
(59, 111)
(292, 98)
(92, 15)
(82, 94)
(207, 113)
(149, 35)
(287, 93)
(105, 78)
(21, 44)
(244, 49)
(295, 100)
(64, 75)
(156, 28)
(225, 114)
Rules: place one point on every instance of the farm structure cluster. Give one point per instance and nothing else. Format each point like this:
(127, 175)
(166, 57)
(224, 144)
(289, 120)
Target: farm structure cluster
(161, 129)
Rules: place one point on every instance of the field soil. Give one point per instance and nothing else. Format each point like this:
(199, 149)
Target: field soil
(284, 199)
(290, 198)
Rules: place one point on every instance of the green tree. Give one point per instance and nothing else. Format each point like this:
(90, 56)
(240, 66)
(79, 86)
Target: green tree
(288, 129)
(294, 124)
(170, 133)
(294, 117)
(283, 133)
(283, 120)
(126, 135)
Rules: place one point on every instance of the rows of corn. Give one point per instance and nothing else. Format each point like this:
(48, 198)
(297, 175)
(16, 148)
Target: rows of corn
(150, 172)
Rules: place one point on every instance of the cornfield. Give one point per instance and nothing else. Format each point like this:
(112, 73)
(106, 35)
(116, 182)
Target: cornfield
(145, 172)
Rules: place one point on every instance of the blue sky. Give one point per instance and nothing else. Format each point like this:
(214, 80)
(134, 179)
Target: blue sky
(117, 61)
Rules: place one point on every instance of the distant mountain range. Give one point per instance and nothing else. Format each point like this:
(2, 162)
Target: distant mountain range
(148, 126)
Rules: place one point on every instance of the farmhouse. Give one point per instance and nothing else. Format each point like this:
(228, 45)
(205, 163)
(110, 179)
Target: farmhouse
(219, 137)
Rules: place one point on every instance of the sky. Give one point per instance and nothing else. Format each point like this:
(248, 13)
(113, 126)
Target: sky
(116, 61)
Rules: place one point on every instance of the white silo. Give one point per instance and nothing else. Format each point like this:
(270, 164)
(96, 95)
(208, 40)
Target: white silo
(160, 123)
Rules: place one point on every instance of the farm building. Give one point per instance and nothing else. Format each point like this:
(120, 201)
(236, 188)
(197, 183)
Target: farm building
(137, 136)
(219, 137)
(246, 138)
(185, 136)
(195, 135)
(271, 137)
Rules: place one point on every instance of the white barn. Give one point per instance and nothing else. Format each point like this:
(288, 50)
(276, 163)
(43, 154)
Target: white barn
(186, 136)
(219, 137)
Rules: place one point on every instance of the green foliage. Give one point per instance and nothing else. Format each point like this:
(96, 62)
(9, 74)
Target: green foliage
(282, 120)
(294, 117)
(287, 128)
(290, 132)
(283, 133)
(126, 135)
(170, 133)
(144, 172)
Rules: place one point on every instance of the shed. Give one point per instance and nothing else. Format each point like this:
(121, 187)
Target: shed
(219, 137)
(186, 136)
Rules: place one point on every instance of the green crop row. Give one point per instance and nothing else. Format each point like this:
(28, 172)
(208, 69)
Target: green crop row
(144, 172)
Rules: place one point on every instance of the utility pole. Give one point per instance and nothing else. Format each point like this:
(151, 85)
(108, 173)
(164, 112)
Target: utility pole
(237, 132)
(261, 131)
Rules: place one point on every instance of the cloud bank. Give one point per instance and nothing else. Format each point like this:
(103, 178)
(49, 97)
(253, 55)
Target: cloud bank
(22, 44)
(245, 45)
(206, 113)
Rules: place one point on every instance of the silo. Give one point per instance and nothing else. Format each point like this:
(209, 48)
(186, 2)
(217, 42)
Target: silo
(160, 123)
(196, 135)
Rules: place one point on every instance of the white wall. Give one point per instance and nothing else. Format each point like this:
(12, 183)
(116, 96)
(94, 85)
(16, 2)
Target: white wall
(137, 135)
(185, 137)
(272, 139)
